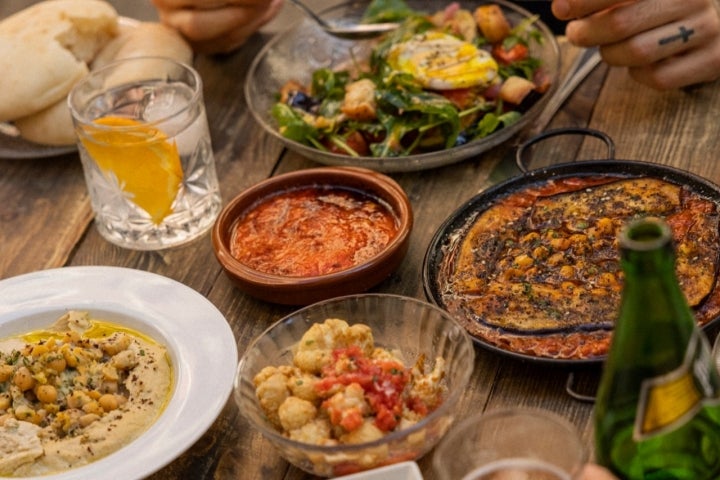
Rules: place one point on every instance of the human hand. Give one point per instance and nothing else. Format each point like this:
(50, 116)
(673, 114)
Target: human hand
(664, 43)
(596, 472)
(216, 26)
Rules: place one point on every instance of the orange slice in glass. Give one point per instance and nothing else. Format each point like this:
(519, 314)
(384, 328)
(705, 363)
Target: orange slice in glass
(142, 158)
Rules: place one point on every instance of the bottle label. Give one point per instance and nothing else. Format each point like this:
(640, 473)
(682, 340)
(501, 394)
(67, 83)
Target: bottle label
(668, 401)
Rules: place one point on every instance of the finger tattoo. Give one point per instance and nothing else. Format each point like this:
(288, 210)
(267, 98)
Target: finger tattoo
(684, 35)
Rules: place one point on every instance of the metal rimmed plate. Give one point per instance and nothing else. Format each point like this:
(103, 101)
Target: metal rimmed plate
(201, 345)
(295, 54)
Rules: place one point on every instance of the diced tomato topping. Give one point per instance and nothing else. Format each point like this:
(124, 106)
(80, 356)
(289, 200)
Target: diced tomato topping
(383, 383)
(462, 98)
(385, 419)
(542, 80)
(506, 57)
(354, 140)
(351, 420)
(418, 406)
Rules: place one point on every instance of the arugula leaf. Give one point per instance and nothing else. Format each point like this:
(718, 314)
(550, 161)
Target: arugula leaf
(403, 112)
(491, 122)
(292, 125)
(522, 68)
(395, 129)
(524, 32)
(329, 84)
(380, 11)
(329, 87)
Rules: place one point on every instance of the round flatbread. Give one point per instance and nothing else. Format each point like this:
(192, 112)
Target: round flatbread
(50, 126)
(53, 125)
(45, 49)
(144, 39)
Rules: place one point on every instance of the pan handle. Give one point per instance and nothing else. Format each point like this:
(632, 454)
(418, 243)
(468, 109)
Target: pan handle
(570, 390)
(519, 153)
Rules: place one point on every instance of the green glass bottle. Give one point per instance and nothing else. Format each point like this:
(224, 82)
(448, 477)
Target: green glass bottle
(657, 412)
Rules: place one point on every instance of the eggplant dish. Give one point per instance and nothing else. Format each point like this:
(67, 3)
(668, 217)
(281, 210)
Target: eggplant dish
(537, 272)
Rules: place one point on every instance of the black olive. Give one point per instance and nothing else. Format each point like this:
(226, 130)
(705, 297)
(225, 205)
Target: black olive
(461, 139)
(530, 99)
(301, 100)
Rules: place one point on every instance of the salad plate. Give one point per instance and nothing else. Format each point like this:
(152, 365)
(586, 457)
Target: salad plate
(202, 349)
(297, 54)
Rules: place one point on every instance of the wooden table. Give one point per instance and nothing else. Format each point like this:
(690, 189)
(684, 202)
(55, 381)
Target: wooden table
(46, 222)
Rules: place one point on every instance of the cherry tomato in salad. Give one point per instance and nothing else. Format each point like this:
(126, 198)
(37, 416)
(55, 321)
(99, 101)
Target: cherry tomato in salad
(507, 56)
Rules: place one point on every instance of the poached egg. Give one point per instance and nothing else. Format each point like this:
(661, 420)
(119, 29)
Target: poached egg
(443, 62)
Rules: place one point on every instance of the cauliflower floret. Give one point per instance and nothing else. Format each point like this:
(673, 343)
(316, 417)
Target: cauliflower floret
(316, 432)
(366, 432)
(271, 387)
(302, 385)
(315, 348)
(428, 387)
(368, 457)
(295, 413)
(386, 355)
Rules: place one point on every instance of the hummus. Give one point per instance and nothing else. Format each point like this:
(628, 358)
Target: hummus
(75, 393)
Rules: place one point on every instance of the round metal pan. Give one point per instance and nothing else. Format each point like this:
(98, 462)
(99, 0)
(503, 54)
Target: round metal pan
(454, 227)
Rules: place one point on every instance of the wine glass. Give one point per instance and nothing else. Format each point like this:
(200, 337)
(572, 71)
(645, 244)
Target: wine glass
(512, 444)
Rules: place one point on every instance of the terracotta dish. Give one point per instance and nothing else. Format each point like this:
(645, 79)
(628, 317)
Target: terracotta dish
(294, 257)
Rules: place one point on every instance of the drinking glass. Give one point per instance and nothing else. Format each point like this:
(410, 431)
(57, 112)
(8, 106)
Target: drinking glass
(512, 444)
(145, 148)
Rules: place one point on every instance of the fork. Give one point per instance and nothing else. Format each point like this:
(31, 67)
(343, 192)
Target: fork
(583, 65)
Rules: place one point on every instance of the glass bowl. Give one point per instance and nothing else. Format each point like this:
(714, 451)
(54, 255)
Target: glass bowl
(296, 53)
(405, 325)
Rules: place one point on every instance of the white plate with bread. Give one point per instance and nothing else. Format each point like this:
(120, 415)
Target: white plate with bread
(13, 146)
(46, 48)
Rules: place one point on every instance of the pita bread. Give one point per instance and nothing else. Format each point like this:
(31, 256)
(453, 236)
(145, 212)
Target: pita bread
(45, 50)
(53, 125)
(145, 39)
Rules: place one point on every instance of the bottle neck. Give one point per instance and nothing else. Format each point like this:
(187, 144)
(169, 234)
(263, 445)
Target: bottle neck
(658, 262)
(653, 301)
(647, 252)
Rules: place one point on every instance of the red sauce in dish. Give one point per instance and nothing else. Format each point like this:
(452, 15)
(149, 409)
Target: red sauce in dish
(312, 231)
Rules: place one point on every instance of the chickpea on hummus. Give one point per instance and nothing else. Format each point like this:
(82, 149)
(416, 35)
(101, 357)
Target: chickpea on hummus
(75, 393)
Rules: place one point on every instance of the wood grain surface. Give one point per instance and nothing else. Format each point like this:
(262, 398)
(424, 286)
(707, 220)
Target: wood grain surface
(46, 222)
